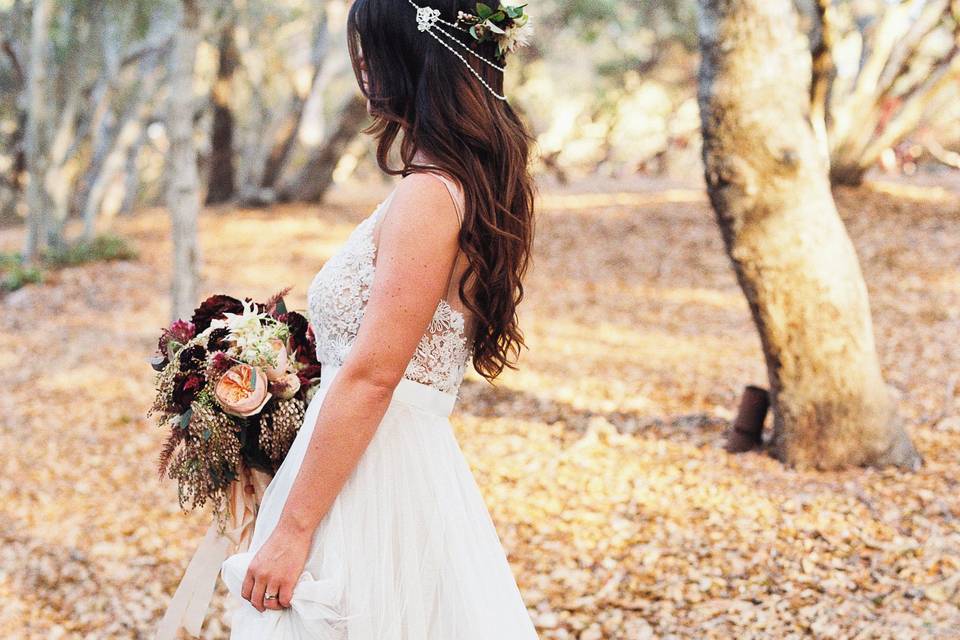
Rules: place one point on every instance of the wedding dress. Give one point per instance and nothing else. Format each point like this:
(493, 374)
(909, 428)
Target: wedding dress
(408, 550)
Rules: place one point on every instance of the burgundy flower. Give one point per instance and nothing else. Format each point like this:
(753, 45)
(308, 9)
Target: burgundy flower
(214, 307)
(302, 342)
(185, 390)
(219, 339)
(220, 362)
(308, 374)
(192, 358)
(182, 331)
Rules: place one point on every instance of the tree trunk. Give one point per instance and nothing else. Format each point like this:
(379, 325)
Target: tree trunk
(131, 175)
(12, 28)
(221, 184)
(183, 197)
(287, 135)
(895, 86)
(317, 176)
(115, 122)
(768, 184)
(37, 134)
(823, 71)
(112, 151)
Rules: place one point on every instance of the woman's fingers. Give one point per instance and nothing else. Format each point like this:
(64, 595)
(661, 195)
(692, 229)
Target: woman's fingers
(256, 598)
(248, 580)
(273, 589)
(286, 594)
(256, 588)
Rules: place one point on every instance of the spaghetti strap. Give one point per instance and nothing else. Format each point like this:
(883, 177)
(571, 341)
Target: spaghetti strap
(454, 191)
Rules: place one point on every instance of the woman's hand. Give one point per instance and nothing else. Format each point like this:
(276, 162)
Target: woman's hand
(276, 569)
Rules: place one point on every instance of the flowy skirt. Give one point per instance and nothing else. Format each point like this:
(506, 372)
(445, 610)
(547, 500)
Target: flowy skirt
(406, 552)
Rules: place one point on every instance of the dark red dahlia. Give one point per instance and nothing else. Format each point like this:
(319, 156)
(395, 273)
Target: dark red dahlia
(192, 358)
(185, 390)
(214, 307)
(301, 337)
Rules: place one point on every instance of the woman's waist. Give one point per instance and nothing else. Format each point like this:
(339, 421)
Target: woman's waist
(407, 391)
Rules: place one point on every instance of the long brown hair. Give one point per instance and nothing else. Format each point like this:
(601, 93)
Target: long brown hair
(420, 91)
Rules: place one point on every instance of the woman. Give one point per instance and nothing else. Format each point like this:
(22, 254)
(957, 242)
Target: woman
(373, 527)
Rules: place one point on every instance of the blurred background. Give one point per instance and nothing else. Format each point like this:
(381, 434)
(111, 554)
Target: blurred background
(602, 457)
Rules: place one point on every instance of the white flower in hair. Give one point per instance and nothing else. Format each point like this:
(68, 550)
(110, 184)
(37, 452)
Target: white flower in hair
(517, 35)
(507, 25)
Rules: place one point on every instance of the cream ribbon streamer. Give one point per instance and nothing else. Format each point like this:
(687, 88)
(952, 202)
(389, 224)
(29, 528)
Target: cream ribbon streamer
(190, 602)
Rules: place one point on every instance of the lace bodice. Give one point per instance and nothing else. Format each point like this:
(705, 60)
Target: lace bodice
(337, 298)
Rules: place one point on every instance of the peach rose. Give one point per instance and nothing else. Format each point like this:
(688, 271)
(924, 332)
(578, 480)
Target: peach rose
(242, 390)
(277, 372)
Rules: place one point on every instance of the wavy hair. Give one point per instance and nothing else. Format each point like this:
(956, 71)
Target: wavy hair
(422, 93)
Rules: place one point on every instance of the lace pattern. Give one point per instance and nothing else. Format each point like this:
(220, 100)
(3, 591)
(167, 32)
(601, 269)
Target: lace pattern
(337, 298)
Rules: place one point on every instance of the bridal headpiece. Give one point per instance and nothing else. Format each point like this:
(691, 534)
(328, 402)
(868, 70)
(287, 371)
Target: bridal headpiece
(508, 26)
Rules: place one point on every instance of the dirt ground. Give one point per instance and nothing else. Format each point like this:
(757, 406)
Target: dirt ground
(601, 458)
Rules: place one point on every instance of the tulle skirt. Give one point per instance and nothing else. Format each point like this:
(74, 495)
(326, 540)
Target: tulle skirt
(407, 551)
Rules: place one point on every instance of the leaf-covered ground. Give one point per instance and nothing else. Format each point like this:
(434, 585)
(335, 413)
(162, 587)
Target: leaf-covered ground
(601, 458)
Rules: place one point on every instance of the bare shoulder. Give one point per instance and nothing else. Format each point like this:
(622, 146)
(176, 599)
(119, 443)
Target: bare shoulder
(423, 203)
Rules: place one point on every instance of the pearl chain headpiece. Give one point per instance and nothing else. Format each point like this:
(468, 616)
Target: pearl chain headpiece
(508, 26)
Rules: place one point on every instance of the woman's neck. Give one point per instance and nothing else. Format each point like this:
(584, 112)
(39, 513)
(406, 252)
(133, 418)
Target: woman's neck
(421, 158)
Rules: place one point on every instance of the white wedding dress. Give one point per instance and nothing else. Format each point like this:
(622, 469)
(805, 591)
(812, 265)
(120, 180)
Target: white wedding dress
(408, 550)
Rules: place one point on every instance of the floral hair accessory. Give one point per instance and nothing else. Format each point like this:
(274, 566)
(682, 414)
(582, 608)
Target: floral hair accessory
(508, 26)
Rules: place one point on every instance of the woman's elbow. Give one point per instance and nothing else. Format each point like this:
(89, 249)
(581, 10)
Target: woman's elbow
(376, 382)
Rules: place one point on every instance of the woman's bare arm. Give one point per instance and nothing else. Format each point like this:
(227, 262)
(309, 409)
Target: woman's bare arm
(417, 248)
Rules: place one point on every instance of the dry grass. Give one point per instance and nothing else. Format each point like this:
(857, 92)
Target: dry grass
(600, 458)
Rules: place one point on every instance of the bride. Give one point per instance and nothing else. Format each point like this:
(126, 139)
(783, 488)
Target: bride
(374, 528)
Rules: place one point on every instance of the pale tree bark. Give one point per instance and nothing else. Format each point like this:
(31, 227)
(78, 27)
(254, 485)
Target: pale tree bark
(37, 135)
(311, 184)
(768, 184)
(267, 168)
(221, 183)
(12, 36)
(115, 126)
(64, 99)
(131, 175)
(111, 154)
(61, 171)
(183, 193)
(285, 139)
(895, 86)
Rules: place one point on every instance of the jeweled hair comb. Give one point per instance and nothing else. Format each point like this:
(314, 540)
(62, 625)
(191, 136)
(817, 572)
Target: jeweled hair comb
(508, 26)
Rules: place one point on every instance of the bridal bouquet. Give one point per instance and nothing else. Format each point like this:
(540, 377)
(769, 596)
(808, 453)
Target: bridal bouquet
(232, 385)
